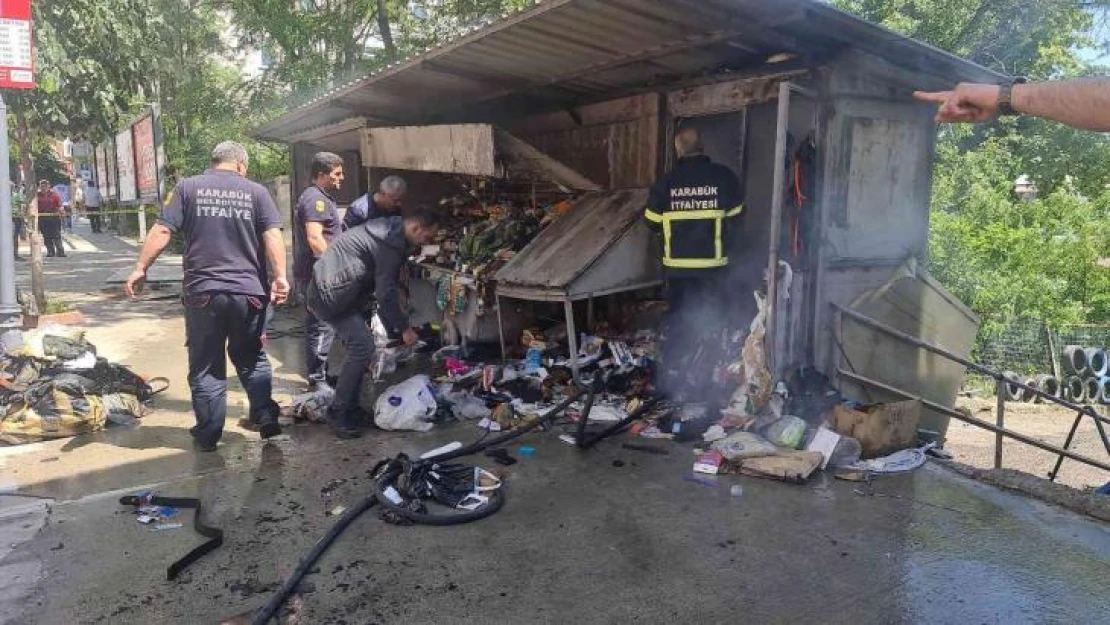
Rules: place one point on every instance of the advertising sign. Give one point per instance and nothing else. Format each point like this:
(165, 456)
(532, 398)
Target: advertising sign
(146, 159)
(16, 66)
(102, 170)
(125, 167)
(112, 167)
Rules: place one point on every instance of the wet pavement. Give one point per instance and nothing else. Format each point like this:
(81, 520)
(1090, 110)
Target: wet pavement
(579, 540)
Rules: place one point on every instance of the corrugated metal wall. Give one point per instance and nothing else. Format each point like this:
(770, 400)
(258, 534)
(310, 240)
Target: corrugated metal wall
(615, 144)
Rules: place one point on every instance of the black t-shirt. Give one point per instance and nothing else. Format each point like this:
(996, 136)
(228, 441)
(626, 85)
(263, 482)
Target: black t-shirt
(222, 216)
(317, 206)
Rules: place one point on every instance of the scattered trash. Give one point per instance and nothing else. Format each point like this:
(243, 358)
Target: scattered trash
(824, 441)
(168, 526)
(409, 405)
(881, 429)
(898, 462)
(742, 445)
(709, 463)
(527, 451)
(336, 511)
(787, 432)
(937, 452)
(736, 490)
(449, 447)
(214, 535)
(1104, 490)
(714, 433)
(789, 466)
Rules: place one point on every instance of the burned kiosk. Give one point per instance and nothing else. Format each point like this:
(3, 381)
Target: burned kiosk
(810, 106)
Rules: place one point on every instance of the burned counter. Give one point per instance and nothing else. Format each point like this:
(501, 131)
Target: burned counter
(601, 248)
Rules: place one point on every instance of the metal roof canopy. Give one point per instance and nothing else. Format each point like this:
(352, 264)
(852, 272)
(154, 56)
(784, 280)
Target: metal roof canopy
(564, 52)
(600, 247)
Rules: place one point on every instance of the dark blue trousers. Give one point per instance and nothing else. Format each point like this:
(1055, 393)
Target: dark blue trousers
(219, 326)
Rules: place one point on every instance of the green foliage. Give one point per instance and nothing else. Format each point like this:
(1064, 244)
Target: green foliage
(1013, 260)
(1007, 259)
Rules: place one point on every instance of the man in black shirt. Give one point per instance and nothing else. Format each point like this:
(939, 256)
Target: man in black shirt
(316, 226)
(363, 265)
(231, 229)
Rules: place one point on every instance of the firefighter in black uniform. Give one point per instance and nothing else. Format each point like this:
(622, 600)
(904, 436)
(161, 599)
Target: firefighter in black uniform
(694, 206)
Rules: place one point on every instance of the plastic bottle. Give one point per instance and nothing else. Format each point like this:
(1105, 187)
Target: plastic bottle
(847, 452)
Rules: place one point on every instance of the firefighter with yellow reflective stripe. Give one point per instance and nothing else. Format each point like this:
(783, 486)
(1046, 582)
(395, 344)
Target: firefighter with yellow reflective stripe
(695, 207)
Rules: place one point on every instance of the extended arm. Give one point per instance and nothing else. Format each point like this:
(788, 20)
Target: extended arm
(156, 242)
(386, 293)
(1081, 103)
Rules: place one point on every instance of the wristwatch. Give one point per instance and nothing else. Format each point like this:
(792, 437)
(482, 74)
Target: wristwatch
(1006, 98)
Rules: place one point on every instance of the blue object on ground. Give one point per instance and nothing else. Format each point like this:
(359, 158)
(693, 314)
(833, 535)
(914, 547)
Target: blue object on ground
(527, 451)
(1105, 490)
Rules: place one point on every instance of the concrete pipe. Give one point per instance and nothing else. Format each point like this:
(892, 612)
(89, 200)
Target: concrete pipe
(1104, 390)
(1094, 389)
(1096, 362)
(1029, 396)
(1075, 390)
(1012, 391)
(1049, 385)
(1075, 360)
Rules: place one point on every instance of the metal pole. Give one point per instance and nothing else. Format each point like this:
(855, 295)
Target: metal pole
(572, 337)
(1067, 445)
(9, 307)
(777, 198)
(501, 327)
(142, 223)
(1000, 421)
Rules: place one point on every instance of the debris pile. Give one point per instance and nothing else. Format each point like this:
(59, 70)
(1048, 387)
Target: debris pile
(53, 385)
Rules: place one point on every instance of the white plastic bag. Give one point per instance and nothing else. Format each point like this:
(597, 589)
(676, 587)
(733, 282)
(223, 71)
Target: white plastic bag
(409, 405)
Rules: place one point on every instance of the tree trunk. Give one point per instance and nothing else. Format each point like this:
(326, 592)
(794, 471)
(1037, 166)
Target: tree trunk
(384, 29)
(38, 285)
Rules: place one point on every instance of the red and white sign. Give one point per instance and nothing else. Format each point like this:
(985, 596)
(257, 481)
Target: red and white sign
(16, 61)
(146, 159)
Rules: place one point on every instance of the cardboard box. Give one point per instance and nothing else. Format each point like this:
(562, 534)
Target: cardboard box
(881, 429)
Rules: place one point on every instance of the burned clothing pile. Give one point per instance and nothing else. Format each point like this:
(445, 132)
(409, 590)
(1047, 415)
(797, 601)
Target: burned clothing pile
(52, 385)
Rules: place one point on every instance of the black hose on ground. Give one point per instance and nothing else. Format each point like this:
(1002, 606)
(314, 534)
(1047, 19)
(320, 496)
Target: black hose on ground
(274, 604)
(391, 471)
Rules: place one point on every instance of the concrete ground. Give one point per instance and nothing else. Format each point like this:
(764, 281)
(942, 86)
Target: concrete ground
(1048, 423)
(580, 539)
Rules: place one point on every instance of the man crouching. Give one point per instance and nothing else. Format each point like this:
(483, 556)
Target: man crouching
(361, 265)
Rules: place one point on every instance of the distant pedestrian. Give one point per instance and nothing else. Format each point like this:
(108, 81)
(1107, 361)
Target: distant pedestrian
(50, 212)
(385, 202)
(316, 224)
(232, 231)
(19, 201)
(92, 208)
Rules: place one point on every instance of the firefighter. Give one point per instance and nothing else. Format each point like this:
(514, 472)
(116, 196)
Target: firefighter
(695, 207)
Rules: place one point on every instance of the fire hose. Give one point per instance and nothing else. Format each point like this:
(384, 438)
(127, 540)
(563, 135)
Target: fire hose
(394, 490)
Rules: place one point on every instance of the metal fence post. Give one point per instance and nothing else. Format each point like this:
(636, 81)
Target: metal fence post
(1000, 421)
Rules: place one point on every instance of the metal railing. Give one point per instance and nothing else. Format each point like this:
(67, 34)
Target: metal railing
(999, 427)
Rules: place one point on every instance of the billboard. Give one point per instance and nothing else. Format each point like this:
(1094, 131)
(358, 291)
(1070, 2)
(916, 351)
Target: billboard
(102, 170)
(146, 159)
(16, 59)
(112, 167)
(125, 167)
